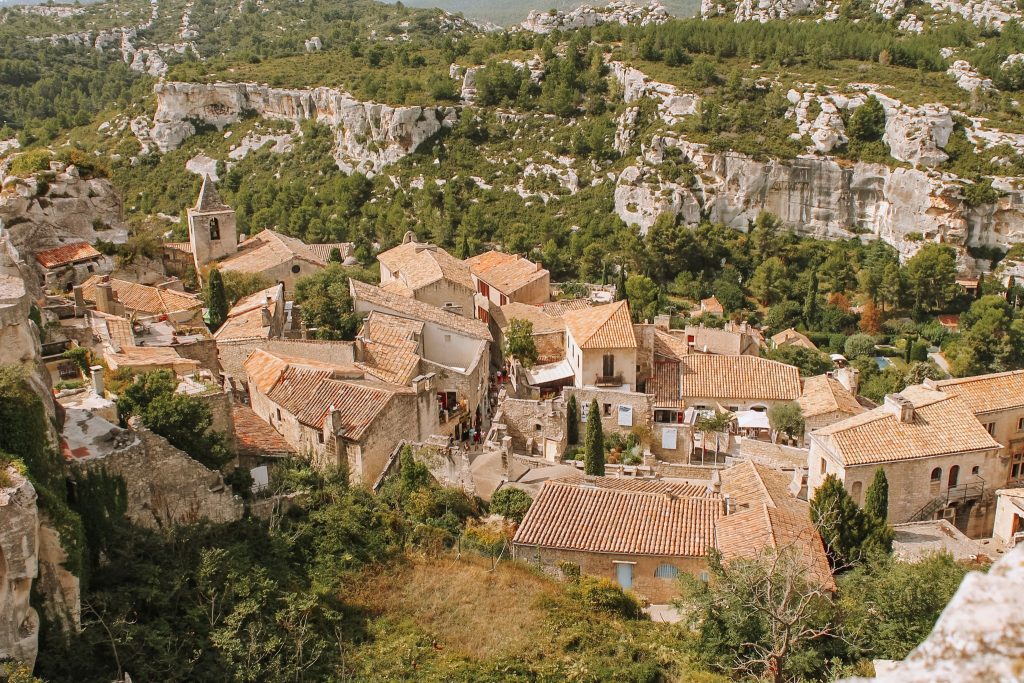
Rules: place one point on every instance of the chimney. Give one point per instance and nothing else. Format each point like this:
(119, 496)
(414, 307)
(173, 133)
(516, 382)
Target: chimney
(267, 317)
(900, 406)
(849, 377)
(715, 485)
(726, 504)
(662, 322)
(97, 379)
(79, 301)
(105, 297)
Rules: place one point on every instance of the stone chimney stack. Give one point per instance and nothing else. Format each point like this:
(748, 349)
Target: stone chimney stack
(267, 317)
(662, 322)
(900, 406)
(105, 297)
(97, 379)
(79, 301)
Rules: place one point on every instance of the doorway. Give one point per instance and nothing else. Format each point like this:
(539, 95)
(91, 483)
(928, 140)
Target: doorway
(624, 575)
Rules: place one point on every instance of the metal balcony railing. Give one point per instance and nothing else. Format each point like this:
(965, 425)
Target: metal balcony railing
(608, 380)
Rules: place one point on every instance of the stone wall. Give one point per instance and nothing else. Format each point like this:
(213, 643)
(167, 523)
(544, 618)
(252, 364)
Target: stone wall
(220, 404)
(532, 424)
(202, 350)
(165, 486)
(19, 566)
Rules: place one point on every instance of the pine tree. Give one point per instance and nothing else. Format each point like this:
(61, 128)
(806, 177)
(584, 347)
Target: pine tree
(593, 447)
(843, 526)
(811, 301)
(572, 421)
(876, 501)
(216, 299)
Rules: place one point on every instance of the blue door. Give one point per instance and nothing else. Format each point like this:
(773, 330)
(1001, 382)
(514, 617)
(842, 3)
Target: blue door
(624, 573)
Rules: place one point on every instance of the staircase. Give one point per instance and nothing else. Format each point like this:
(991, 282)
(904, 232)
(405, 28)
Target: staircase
(955, 494)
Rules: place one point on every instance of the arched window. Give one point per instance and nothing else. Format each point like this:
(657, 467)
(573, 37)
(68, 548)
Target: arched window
(214, 228)
(954, 475)
(937, 475)
(857, 486)
(666, 571)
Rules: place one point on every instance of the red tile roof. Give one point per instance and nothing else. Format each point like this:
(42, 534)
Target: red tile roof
(254, 437)
(66, 254)
(143, 298)
(602, 327)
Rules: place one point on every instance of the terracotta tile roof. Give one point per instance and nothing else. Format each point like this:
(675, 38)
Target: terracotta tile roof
(773, 455)
(942, 424)
(675, 488)
(114, 330)
(375, 298)
(767, 516)
(323, 251)
(268, 249)
(543, 323)
(209, 199)
(390, 347)
(712, 305)
(823, 394)
(507, 273)
(245, 319)
(397, 287)
(185, 247)
(254, 437)
(355, 405)
(561, 307)
(147, 356)
(143, 298)
(791, 337)
(233, 353)
(607, 518)
(265, 369)
(669, 345)
(66, 254)
(418, 265)
(602, 327)
(738, 377)
(665, 384)
(987, 393)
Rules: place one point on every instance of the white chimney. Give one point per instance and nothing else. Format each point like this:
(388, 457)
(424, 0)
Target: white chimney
(97, 379)
(900, 406)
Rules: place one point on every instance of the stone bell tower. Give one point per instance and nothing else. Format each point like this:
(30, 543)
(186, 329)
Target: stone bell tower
(211, 227)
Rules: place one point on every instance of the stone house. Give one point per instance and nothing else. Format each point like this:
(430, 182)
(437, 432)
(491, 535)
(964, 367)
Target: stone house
(709, 306)
(825, 400)
(997, 401)
(502, 278)
(548, 330)
(735, 339)
(601, 347)
(643, 534)
(736, 383)
(939, 460)
(427, 273)
(258, 316)
(790, 337)
(131, 299)
(279, 258)
(71, 264)
(456, 350)
(335, 415)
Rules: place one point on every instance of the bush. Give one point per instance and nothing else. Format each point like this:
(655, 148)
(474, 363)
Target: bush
(603, 595)
(511, 503)
(859, 345)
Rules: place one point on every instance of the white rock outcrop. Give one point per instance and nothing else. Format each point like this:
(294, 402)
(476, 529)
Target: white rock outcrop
(758, 10)
(673, 104)
(979, 637)
(368, 135)
(967, 77)
(616, 12)
(820, 197)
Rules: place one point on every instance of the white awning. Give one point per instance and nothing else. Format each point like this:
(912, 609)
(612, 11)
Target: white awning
(552, 372)
(752, 419)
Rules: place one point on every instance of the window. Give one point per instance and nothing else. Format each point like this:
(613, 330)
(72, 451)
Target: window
(824, 466)
(1017, 466)
(295, 268)
(537, 427)
(68, 371)
(856, 491)
(447, 339)
(320, 437)
(91, 268)
(279, 414)
(666, 571)
(936, 475)
(1020, 425)
(705, 577)
(608, 365)
(954, 475)
(214, 229)
(607, 409)
(668, 416)
(976, 470)
(991, 428)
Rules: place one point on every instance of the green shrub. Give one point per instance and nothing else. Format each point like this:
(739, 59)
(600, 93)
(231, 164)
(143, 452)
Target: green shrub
(603, 595)
(511, 503)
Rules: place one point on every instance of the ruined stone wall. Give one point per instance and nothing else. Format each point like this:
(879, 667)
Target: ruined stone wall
(202, 350)
(220, 405)
(166, 486)
(532, 423)
(394, 424)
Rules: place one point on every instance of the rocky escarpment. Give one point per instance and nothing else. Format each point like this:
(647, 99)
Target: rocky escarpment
(617, 12)
(992, 14)
(59, 207)
(19, 566)
(901, 206)
(368, 135)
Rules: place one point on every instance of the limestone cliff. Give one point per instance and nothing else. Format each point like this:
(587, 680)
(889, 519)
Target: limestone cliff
(19, 566)
(616, 12)
(368, 135)
(819, 196)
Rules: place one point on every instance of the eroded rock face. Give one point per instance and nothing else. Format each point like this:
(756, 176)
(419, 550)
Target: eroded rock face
(673, 103)
(19, 566)
(624, 13)
(368, 135)
(820, 197)
(917, 136)
(979, 638)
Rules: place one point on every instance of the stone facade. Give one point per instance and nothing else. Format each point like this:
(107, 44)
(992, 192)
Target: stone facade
(645, 584)
(536, 427)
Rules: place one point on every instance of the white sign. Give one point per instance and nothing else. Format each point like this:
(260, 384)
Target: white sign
(668, 438)
(584, 409)
(260, 478)
(625, 416)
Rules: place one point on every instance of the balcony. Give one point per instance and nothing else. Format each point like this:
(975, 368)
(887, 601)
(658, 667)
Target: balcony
(608, 380)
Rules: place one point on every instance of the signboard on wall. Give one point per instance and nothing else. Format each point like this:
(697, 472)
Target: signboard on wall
(668, 438)
(625, 416)
(584, 409)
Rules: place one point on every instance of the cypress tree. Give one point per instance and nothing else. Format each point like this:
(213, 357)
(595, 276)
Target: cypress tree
(593, 448)
(811, 301)
(876, 501)
(216, 299)
(464, 247)
(620, 285)
(572, 421)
